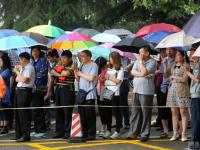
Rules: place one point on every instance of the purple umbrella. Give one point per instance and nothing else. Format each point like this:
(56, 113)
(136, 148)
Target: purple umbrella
(192, 27)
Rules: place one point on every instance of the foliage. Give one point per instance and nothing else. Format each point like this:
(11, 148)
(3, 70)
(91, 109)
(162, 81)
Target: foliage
(98, 14)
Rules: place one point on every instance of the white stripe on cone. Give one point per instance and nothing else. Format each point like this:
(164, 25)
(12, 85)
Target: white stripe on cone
(76, 126)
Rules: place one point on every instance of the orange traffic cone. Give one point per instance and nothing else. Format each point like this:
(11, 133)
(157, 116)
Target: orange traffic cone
(76, 133)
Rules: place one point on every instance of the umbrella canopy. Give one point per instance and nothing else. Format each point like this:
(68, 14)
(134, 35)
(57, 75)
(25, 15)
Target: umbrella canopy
(196, 53)
(7, 32)
(157, 27)
(122, 33)
(133, 45)
(103, 51)
(124, 54)
(192, 27)
(106, 38)
(177, 40)
(14, 42)
(47, 30)
(36, 36)
(86, 31)
(72, 41)
(156, 37)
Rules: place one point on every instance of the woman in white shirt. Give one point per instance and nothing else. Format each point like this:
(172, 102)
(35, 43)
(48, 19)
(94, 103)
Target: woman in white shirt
(114, 77)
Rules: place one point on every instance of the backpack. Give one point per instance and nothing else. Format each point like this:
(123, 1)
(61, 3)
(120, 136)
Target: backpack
(2, 88)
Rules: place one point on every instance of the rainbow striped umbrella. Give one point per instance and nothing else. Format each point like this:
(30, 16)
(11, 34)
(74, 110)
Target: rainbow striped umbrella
(72, 41)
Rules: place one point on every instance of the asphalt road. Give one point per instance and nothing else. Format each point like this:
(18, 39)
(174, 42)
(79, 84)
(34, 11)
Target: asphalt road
(47, 143)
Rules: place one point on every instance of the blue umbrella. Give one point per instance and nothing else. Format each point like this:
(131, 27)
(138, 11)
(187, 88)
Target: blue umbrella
(14, 42)
(192, 27)
(7, 32)
(156, 37)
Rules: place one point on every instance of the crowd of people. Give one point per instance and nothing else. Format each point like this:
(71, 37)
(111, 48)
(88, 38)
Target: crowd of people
(71, 80)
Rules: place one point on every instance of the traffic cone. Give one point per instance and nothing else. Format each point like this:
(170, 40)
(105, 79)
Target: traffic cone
(76, 133)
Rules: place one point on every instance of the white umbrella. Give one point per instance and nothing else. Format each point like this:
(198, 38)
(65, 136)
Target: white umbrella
(178, 39)
(196, 53)
(106, 38)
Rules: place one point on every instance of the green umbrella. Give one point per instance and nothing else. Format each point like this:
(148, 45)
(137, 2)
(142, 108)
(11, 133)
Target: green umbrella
(47, 30)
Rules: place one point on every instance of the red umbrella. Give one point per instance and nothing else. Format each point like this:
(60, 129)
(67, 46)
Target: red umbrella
(157, 27)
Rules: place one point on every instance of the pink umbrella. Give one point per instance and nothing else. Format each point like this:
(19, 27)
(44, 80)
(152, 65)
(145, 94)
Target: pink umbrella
(124, 54)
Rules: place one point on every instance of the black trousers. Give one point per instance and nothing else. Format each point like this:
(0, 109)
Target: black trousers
(124, 89)
(88, 118)
(23, 116)
(165, 113)
(64, 97)
(116, 111)
(102, 110)
(195, 119)
(38, 117)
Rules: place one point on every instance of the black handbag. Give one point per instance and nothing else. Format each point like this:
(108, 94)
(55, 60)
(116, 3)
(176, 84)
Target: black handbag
(81, 95)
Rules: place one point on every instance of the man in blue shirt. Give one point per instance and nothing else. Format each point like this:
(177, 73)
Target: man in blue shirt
(143, 89)
(41, 71)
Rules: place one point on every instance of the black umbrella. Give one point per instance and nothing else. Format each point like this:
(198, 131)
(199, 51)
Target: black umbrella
(86, 31)
(36, 36)
(133, 45)
(193, 25)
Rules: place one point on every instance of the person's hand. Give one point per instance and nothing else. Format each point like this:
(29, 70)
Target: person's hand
(79, 73)
(48, 95)
(149, 76)
(164, 60)
(107, 77)
(185, 70)
(171, 78)
(74, 66)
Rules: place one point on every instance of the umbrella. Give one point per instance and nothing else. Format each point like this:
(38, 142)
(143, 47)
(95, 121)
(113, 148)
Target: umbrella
(72, 41)
(86, 31)
(36, 36)
(122, 33)
(133, 45)
(156, 37)
(7, 32)
(124, 54)
(157, 27)
(196, 53)
(177, 40)
(103, 51)
(47, 30)
(13, 42)
(192, 27)
(106, 38)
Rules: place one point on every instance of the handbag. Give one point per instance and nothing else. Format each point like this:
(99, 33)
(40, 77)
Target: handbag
(108, 94)
(81, 96)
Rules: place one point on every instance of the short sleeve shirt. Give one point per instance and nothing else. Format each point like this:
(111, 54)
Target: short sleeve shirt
(92, 70)
(143, 85)
(119, 74)
(29, 72)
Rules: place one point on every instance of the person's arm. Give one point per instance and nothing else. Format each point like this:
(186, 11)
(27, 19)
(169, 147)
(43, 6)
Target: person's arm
(54, 73)
(91, 76)
(195, 79)
(86, 76)
(21, 78)
(182, 78)
(118, 79)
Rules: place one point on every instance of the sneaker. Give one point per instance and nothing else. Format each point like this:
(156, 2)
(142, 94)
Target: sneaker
(107, 134)
(175, 137)
(184, 137)
(115, 135)
(144, 139)
(32, 133)
(39, 135)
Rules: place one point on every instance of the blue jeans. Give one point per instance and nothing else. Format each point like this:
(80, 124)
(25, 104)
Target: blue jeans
(196, 119)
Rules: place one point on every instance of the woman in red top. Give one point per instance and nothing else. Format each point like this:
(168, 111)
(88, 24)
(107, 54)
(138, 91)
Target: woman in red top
(102, 64)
